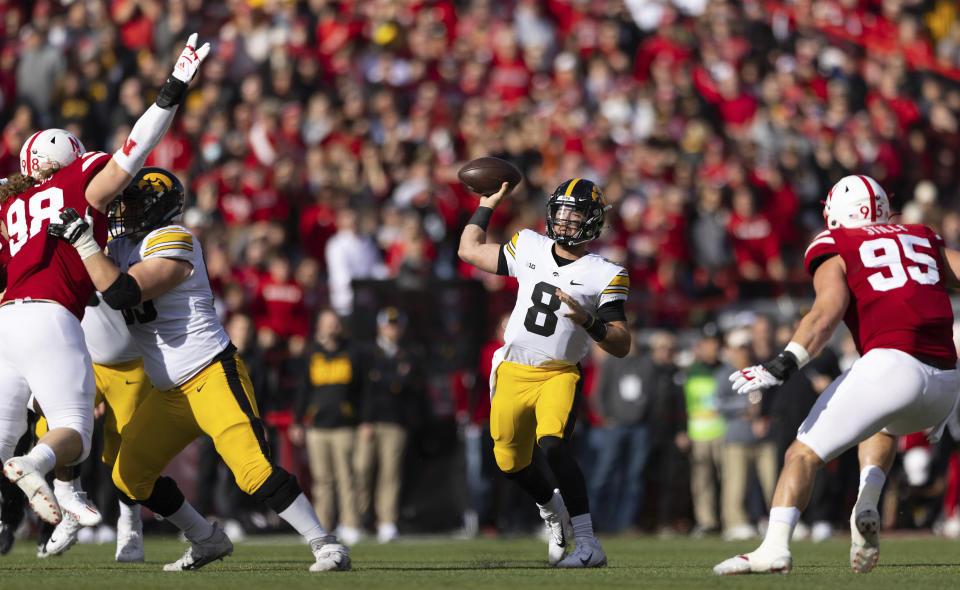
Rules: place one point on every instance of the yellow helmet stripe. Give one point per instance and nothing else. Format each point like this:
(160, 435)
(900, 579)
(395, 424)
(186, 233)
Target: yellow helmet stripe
(570, 186)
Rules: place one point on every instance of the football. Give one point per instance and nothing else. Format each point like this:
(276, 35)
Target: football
(485, 175)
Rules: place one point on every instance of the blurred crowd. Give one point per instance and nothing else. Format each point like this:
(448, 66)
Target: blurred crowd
(320, 146)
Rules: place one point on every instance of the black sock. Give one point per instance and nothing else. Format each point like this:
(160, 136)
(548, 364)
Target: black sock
(534, 482)
(573, 486)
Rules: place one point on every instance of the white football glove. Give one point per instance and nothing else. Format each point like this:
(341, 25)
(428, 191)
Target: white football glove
(190, 58)
(753, 379)
(76, 230)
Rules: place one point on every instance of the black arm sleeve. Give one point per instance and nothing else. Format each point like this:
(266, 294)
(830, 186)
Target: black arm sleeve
(502, 269)
(123, 293)
(612, 311)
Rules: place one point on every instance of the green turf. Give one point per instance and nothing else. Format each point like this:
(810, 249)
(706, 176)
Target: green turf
(518, 564)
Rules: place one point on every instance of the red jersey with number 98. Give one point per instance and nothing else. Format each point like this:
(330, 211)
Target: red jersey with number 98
(897, 296)
(42, 267)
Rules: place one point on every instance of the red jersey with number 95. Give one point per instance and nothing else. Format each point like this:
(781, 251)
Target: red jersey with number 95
(897, 296)
(42, 267)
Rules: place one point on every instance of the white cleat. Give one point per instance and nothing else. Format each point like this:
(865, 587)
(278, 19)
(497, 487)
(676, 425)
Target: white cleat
(864, 539)
(216, 546)
(130, 546)
(587, 553)
(22, 471)
(331, 555)
(79, 506)
(559, 533)
(755, 563)
(62, 538)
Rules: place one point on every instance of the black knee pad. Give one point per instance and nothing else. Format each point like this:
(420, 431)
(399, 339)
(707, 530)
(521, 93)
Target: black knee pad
(279, 490)
(552, 446)
(166, 497)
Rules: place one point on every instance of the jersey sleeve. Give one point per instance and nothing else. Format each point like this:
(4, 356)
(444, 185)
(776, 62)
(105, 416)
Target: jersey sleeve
(823, 246)
(172, 241)
(508, 253)
(616, 290)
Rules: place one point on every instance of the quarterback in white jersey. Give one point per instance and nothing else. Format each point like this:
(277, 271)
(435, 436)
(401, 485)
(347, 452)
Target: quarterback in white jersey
(566, 296)
(202, 385)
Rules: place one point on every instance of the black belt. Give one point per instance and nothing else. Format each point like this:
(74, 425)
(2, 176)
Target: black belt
(936, 363)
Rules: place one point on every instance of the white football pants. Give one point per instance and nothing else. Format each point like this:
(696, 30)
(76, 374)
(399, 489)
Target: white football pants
(42, 350)
(886, 390)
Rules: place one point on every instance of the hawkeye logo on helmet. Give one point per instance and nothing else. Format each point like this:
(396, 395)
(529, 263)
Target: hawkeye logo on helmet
(155, 178)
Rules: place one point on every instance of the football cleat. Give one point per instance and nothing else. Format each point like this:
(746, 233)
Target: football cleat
(79, 507)
(559, 531)
(62, 538)
(6, 538)
(22, 471)
(331, 555)
(758, 562)
(216, 546)
(864, 539)
(129, 542)
(587, 553)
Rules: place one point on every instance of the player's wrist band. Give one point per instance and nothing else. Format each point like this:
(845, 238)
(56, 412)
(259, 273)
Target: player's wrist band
(595, 327)
(481, 217)
(799, 352)
(171, 93)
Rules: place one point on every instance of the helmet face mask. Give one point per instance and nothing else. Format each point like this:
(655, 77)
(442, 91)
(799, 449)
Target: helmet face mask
(575, 213)
(856, 201)
(152, 199)
(50, 148)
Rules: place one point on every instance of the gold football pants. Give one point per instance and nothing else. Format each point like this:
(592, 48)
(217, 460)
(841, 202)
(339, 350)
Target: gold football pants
(219, 402)
(122, 387)
(530, 403)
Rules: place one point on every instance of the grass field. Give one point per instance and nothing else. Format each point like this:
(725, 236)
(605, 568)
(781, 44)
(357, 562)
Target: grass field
(645, 562)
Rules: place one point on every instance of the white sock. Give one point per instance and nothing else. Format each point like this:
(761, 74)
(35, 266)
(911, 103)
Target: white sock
(783, 519)
(582, 526)
(301, 516)
(130, 517)
(43, 457)
(554, 504)
(871, 484)
(188, 520)
(62, 489)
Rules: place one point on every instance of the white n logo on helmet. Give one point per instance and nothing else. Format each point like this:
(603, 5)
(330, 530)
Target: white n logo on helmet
(47, 148)
(856, 201)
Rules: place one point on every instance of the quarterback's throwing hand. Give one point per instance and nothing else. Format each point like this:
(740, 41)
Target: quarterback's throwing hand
(76, 230)
(190, 58)
(753, 379)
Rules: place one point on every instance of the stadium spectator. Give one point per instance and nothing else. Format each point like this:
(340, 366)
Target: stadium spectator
(747, 447)
(325, 421)
(705, 429)
(392, 386)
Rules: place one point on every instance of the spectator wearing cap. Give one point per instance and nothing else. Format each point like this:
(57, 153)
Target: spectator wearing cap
(705, 429)
(748, 446)
(622, 400)
(326, 419)
(392, 387)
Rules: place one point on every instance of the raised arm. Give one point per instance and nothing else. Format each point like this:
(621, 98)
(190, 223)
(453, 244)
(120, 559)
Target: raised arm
(474, 248)
(148, 130)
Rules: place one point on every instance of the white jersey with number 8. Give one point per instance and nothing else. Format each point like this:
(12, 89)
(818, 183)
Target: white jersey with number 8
(538, 334)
